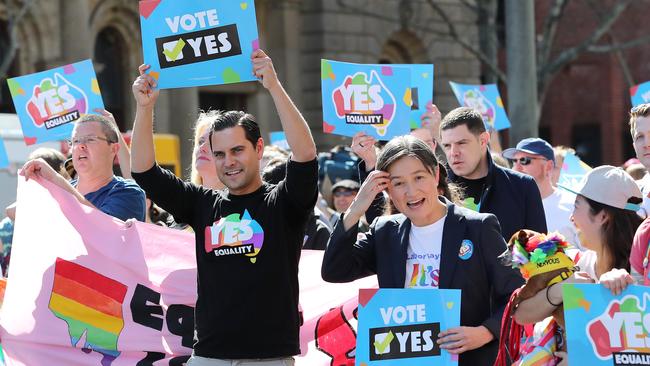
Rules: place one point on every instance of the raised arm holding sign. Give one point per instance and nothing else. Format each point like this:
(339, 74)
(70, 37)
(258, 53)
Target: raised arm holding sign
(248, 237)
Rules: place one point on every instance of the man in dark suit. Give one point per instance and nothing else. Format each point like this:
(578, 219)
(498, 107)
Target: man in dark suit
(511, 196)
(431, 244)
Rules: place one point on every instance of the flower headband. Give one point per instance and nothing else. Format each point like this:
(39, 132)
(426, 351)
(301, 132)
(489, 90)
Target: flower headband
(537, 249)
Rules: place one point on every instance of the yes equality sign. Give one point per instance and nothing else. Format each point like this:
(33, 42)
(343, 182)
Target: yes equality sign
(486, 100)
(401, 326)
(375, 99)
(198, 42)
(603, 329)
(49, 102)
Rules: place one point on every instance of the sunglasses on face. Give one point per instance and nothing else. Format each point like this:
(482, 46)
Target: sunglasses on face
(344, 193)
(525, 160)
(88, 140)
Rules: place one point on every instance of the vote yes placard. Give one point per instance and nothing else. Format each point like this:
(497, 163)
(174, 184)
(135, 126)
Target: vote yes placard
(401, 326)
(198, 42)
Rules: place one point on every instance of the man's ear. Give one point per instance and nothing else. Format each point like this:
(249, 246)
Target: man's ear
(115, 148)
(259, 147)
(484, 138)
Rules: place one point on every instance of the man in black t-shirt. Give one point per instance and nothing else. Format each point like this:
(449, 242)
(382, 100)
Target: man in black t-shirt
(511, 196)
(248, 237)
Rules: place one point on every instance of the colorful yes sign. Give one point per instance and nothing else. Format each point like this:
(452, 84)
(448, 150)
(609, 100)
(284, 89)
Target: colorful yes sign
(421, 92)
(607, 330)
(486, 100)
(375, 99)
(48, 102)
(402, 325)
(640, 93)
(198, 42)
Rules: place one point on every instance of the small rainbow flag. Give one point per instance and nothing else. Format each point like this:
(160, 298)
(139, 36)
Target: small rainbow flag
(90, 303)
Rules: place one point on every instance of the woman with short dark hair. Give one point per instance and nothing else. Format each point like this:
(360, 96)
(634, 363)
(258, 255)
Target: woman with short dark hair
(431, 243)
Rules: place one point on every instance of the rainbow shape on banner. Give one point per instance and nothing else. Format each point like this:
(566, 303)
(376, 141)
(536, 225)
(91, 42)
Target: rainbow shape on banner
(89, 303)
(49, 102)
(374, 99)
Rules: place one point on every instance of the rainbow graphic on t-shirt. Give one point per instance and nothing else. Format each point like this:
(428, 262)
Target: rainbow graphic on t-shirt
(90, 303)
(231, 235)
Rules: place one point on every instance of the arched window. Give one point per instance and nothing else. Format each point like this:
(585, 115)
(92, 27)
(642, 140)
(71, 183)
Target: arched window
(109, 61)
(6, 104)
(403, 47)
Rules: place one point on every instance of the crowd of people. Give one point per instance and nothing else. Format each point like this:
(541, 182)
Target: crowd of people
(433, 209)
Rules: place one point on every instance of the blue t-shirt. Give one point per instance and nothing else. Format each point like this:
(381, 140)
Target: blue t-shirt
(121, 198)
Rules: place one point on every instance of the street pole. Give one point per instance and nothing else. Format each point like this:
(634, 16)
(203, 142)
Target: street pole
(523, 110)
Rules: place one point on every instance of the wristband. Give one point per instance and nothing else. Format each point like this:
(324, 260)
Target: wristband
(549, 299)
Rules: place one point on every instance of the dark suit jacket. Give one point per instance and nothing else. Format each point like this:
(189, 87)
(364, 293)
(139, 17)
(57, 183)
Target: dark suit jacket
(485, 284)
(512, 197)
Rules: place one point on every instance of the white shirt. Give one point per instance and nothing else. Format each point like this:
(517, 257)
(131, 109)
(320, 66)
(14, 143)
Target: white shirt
(423, 255)
(558, 208)
(644, 186)
(587, 263)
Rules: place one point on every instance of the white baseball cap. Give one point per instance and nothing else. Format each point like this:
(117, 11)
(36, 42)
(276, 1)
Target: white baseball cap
(611, 186)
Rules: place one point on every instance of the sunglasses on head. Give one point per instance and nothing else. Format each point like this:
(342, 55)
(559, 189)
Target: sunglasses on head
(524, 160)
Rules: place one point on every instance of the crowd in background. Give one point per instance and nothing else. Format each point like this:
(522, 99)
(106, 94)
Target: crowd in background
(446, 192)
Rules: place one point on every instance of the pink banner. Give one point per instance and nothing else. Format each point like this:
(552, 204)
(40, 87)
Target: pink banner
(88, 289)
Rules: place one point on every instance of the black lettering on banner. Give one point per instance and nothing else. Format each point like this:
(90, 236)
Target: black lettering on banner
(62, 119)
(630, 358)
(406, 341)
(199, 46)
(364, 119)
(179, 361)
(548, 261)
(151, 358)
(142, 312)
(415, 103)
(180, 322)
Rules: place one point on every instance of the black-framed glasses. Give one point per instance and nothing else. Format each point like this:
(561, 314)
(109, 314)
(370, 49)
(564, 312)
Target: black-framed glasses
(525, 160)
(88, 140)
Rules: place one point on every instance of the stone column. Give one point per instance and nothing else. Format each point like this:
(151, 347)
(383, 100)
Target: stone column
(183, 106)
(280, 38)
(74, 26)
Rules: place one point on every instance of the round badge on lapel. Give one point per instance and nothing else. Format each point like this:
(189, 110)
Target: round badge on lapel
(466, 250)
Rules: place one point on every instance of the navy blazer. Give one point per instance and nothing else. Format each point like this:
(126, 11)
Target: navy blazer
(485, 284)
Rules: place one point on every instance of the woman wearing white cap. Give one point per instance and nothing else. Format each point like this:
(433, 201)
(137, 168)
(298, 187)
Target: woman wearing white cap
(605, 217)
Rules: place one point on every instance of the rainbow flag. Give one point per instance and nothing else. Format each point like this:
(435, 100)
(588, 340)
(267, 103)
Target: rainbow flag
(90, 303)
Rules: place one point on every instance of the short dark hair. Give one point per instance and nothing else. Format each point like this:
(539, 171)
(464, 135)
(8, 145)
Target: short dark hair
(403, 146)
(230, 119)
(108, 127)
(464, 116)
